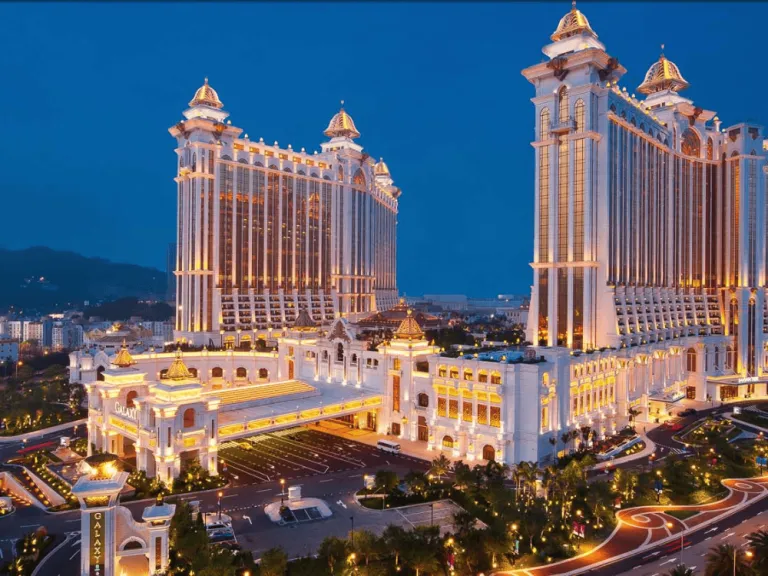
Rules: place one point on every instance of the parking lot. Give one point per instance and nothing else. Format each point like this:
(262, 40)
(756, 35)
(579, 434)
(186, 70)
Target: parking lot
(438, 513)
(299, 452)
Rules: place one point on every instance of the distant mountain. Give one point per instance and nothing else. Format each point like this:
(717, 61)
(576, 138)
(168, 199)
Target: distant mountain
(43, 279)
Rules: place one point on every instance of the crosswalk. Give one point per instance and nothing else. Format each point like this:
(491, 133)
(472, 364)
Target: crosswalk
(672, 450)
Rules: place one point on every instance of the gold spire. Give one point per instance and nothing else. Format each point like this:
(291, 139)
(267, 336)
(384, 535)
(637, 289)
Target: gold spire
(409, 329)
(207, 96)
(342, 125)
(178, 370)
(663, 75)
(571, 24)
(123, 358)
(381, 169)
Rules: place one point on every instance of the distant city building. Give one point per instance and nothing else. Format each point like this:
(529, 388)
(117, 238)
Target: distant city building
(15, 329)
(265, 231)
(66, 335)
(9, 349)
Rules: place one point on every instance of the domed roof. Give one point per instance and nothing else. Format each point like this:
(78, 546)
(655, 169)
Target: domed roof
(662, 75)
(206, 96)
(571, 24)
(123, 358)
(409, 329)
(381, 169)
(342, 125)
(178, 370)
(304, 322)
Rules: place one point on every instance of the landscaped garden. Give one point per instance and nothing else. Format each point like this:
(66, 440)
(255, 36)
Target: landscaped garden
(33, 405)
(28, 553)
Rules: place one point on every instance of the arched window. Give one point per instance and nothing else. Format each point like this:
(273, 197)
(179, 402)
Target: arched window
(580, 114)
(257, 163)
(354, 359)
(193, 372)
(489, 452)
(217, 372)
(340, 174)
(562, 105)
(359, 179)
(133, 545)
(226, 157)
(691, 360)
(454, 372)
(447, 442)
(423, 400)
(495, 378)
(544, 124)
(340, 352)
(163, 373)
(194, 161)
(325, 354)
(691, 144)
(482, 376)
(189, 418)
(263, 373)
(728, 357)
(710, 149)
(467, 374)
(241, 372)
(100, 373)
(442, 371)
(129, 398)
(717, 358)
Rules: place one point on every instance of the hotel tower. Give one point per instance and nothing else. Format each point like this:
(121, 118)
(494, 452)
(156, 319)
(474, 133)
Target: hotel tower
(265, 231)
(650, 215)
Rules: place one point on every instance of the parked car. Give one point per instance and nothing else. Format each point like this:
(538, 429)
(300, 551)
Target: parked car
(687, 412)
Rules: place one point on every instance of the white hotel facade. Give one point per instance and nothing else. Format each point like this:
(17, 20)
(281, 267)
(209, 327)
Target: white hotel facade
(648, 284)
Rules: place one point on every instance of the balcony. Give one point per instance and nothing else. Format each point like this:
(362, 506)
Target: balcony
(562, 126)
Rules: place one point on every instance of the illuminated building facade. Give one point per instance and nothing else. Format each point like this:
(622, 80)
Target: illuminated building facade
(650, 219)
(264, 231)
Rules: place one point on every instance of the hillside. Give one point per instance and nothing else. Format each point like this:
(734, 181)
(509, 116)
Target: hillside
(45, 280)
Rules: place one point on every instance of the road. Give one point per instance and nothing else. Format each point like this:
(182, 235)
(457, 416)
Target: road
(347, 462)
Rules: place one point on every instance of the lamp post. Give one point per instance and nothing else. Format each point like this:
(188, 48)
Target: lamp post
(432, 514)
(220, 494)
(748, 554)
(282, 491)
(682, 532)
(352, 532)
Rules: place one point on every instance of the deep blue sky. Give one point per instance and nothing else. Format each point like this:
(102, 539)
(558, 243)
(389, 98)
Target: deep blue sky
(90, 91)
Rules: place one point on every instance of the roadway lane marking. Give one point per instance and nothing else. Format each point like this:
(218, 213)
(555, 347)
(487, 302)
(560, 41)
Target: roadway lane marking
(248, 518)
(75, 520)
(267, 490)
(229, 496)
(75, 554)
(713, 529)
(328, 480)
(668, 561)
(355, 476)
(728, 535)
(652, 554)
(29, 525)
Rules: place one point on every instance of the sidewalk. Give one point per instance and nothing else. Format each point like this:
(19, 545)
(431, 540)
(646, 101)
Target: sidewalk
(42, 431)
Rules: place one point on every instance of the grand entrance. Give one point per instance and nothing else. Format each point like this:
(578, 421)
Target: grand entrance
(423, 429)
(690, 392)
(728, 392)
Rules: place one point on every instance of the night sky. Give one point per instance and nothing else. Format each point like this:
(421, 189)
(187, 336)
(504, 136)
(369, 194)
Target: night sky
(90, 91)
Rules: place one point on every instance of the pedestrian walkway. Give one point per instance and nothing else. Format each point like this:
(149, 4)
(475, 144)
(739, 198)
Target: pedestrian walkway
(649, 449)
(41, 432)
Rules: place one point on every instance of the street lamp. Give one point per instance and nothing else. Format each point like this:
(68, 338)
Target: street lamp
(748, 554)
(220, 494)
(682, 532)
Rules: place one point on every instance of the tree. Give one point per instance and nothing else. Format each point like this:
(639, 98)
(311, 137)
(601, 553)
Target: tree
(365, 544)
(274, 562)
(440, 466)
(385, 480)
(334, 551)
(553, 441)
(464, 477)
(720, 561)
(681, 570)
(396, 539)
(416, 481)
(565, 437)
(421, 559)
(758, 541)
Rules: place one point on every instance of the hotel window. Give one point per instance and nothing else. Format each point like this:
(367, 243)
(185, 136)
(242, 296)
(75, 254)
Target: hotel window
(442, 371)
(580, 115)
(454, 372)
(466, 411)
(544, 204)
(544, 124)
(482, 414)
(496, 416)
(495, 378)
(562, 200)
(482, 376)
(441, 404)
(423, 400)
(467, 374)
(396, 393)
(544, 419)
(562, 105)
(453, 409)
(396, 364)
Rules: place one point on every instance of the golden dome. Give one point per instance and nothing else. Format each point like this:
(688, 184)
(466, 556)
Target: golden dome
(409, 329)
(207, 96)
(342, 125)
(571, 24)
(178, 370)
(123, 358)
(663, 75)
(381, 169)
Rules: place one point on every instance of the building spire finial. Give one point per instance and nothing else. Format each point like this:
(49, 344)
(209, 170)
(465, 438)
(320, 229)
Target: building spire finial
(573, 4)
(342, 104)
(662, 50)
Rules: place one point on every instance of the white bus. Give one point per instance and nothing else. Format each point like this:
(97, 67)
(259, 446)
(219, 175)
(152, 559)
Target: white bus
(388, 446)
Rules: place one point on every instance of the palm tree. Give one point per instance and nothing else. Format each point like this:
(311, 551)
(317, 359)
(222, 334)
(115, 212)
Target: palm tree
(422, 559)
(680, 570)
(585, 432)
(334, 551)
(396, 539)
(440, 466)
(553, 441)
(720, 561)
(758, 542)
(274, 562)
(365, 544)
(632, 413)
(565, 437)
